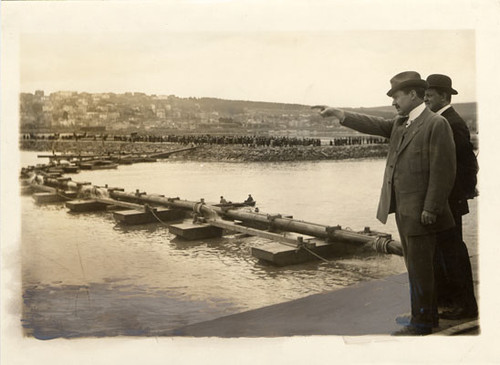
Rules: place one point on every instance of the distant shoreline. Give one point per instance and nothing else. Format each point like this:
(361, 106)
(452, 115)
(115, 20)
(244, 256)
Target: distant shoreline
(213, 153)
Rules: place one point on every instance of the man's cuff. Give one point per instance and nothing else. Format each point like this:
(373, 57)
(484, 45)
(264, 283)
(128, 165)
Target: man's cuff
(433, 207)
(346, 116)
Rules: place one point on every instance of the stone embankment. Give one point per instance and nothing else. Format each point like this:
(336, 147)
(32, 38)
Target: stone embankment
(300, 153)
(234, 153)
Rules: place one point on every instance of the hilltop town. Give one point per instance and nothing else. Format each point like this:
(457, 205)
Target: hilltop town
(69, 111)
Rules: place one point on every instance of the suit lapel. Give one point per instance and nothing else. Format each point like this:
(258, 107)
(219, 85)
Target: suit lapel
(412, 130)
(449, 110)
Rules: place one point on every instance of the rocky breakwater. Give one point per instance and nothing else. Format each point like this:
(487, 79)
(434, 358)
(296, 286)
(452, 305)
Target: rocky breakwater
(206, 152)
(275, 154)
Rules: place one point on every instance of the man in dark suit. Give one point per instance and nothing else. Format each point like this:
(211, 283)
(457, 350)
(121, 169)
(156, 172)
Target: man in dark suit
(418, 178)
(453, 269)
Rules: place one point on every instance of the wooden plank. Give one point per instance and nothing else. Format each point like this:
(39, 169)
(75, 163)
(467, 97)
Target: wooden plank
(290, 238)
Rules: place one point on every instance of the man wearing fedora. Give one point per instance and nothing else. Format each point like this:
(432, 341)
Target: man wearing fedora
(418, 178)
(453, 269)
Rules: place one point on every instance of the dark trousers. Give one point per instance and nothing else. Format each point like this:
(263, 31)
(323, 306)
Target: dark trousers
(453, 272)
(418, 253)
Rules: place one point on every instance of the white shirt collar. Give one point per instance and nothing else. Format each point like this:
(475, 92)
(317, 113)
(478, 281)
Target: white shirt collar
(440, 111)
(415, 113)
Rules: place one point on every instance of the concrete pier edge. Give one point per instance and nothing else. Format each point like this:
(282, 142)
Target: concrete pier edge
(367, 308)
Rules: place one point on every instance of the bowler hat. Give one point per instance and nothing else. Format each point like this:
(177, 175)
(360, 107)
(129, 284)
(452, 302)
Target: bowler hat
(441, 82)
(404, 79)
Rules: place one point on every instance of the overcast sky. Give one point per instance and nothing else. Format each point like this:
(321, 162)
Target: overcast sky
(342, 68)
(304, 52)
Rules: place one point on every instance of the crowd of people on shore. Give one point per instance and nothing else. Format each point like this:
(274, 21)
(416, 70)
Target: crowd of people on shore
(207, 139)
(249, 140)
(356, 140)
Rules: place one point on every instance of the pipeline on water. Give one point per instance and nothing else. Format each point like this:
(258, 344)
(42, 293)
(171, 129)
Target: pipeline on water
(378, 242)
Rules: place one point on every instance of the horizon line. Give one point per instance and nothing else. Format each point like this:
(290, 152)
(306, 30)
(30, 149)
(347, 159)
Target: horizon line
(215, 97)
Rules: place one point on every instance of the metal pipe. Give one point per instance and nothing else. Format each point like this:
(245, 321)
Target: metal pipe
(380, 243)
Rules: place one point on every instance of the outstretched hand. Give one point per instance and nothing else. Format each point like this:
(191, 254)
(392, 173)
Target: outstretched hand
(326, 112)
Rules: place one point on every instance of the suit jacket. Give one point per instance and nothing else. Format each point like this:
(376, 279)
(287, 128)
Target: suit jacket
(465, 157)
(420, 169)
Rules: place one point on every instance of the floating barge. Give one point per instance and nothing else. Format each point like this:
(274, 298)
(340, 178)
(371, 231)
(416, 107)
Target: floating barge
(60, 164)
(291, 241)
(98, 165)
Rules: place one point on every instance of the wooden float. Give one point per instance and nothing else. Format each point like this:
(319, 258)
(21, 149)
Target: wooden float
(90, 205)
(53, 197)
(70, 169)
(98, 165)
(195, 231)
(151, 215)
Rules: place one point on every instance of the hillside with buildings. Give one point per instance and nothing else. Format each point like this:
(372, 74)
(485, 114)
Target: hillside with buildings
(68, 112)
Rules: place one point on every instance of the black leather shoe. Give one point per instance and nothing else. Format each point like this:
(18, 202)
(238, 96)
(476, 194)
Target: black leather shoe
(413, 331)
(405, 320)
(458, 313)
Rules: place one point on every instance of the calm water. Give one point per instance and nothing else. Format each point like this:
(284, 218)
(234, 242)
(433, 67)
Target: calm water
(84, 275)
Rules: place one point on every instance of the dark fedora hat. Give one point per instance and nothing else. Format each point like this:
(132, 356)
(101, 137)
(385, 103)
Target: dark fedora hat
(441, 82)
(404, 79)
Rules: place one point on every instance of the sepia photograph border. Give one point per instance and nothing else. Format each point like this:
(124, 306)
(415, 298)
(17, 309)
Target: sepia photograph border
(20, 17)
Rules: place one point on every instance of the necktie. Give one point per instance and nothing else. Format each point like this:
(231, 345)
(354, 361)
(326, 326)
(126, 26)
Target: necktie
(402, 120)
(406, 122)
